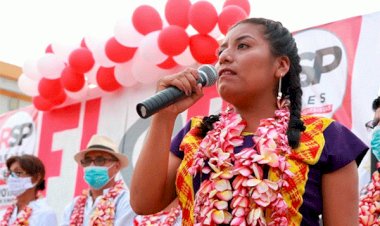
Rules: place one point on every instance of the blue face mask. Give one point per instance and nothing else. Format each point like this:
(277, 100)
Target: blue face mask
(375, 143)
(96, 176)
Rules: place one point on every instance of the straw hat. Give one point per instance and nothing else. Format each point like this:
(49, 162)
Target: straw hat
(104, 144)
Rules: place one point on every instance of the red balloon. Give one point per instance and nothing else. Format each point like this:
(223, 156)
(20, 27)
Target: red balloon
(203, 17)
(106, 79)
(49, 49)
(49, 88)
(146, 19)
(173, 40)
(83, 43)
(81, 60)
(72, 80)
(42, 104)
(117, 52)
(175, 11)
(244, 4)
(168, 63)
(59, 99)
(229, 16)
(203, 48)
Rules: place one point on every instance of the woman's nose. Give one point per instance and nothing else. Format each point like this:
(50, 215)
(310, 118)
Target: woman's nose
(225, 57)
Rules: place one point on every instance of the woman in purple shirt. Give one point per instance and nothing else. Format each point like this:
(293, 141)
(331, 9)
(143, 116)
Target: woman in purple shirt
(259, 162)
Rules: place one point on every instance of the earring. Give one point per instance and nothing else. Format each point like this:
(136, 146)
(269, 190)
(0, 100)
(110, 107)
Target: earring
(279, 93)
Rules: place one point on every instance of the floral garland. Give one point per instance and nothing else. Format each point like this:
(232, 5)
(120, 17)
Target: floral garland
(236, 192)
(369, 202)
(163, 218)
(104, 213)
(22, 218)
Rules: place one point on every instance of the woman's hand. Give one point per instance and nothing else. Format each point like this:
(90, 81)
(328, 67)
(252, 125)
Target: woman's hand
(187, 82)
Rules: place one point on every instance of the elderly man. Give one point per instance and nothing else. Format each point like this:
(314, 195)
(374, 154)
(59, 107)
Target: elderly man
(107, 200)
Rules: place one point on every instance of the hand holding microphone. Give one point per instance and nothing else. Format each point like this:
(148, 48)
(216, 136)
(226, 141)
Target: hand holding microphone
(207, 77)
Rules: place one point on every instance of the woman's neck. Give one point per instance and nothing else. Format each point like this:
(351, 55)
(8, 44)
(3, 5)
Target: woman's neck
(253, 115)
(25, 198)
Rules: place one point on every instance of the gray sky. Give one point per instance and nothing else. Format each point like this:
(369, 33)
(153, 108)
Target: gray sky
(28, 26)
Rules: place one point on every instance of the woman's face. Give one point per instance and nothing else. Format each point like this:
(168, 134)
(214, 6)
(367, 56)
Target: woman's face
(246, 67)
(18, 171)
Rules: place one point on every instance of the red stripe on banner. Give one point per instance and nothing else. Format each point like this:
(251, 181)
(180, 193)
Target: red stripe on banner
(348, 31)
(90, 127)
(53, 122)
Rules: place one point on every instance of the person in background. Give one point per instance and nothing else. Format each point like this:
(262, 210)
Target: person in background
(259, 162)
(369, 208)
(25, 179)
(107, 200)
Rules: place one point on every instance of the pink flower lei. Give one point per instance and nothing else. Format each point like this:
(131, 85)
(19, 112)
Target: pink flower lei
(104, 213)
(163, 218)
(369, 202)
(22, 218)
(236, 191)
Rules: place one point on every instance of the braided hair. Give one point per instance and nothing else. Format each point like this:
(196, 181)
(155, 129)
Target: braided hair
(282, 44)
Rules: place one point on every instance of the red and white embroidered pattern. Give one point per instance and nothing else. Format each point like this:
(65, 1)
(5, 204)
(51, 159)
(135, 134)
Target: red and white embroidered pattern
(246, 199)
(104, 213)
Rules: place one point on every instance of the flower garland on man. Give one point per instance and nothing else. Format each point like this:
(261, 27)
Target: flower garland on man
(106, 202)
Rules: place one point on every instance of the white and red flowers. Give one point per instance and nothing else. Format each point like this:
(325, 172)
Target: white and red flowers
(236, 191)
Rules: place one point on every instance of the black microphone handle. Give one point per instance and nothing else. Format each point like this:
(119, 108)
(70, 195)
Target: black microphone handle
(159, 101)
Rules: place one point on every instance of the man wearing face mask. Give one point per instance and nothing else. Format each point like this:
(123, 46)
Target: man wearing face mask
(25, 180)
(107, 200)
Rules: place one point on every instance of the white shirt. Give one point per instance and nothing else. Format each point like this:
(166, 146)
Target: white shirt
(123, 210)
(42, 214)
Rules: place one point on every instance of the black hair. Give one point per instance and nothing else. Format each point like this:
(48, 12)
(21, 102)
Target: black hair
(282, 44)
(376, 103)
(32, 165)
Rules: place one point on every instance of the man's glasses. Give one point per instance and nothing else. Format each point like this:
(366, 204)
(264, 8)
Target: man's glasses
(372, 123)
(98, 161)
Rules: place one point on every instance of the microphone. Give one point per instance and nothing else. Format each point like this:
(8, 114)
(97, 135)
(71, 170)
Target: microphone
(166, 97)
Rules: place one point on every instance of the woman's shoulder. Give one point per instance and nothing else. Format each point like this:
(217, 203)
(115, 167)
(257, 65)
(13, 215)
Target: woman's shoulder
(41, 205)
(317, 121)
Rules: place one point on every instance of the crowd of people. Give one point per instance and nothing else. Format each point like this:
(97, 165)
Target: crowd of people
(258, 162)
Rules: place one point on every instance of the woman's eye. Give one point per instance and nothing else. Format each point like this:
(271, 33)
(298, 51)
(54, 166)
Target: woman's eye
(219, 52)
(242, 45)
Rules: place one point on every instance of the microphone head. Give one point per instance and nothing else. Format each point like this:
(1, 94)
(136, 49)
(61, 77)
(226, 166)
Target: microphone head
(208, 74)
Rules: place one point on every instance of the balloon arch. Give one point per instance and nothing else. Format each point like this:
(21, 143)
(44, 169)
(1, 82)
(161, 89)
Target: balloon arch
(140, 51)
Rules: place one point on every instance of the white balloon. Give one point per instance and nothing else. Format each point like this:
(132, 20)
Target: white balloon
(123, 74)
(146, 72)
(126, 34)
(50, 66)
(27, 85)
(149, 49)
(97, 47)
(30, 69)
(185, 58)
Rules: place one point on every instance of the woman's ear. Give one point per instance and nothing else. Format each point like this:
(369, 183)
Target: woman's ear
(36, 178)
(283, 66)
